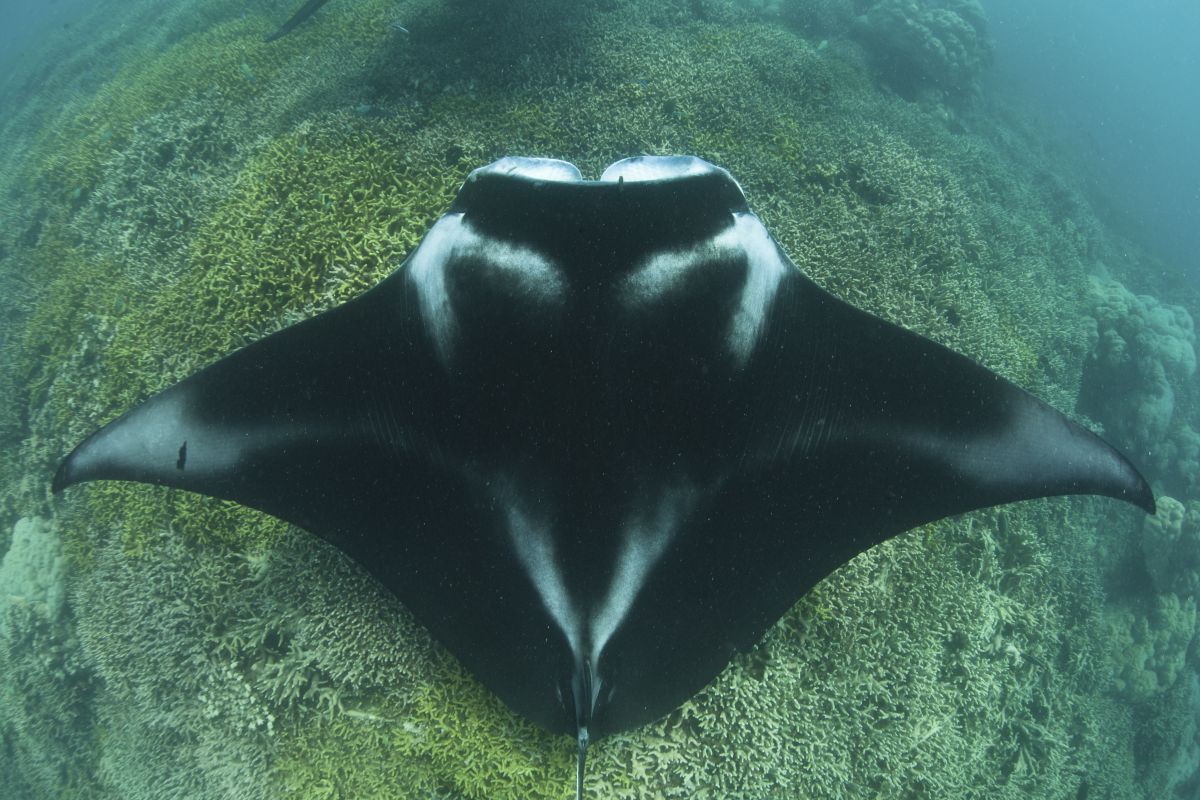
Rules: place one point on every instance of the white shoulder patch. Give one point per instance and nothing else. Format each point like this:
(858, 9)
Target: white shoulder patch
(428, 272)
(747, 239)
(762, 283)
(453, 240)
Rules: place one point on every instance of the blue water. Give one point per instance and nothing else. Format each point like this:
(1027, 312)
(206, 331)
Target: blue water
(1120, 80)
(24, 24)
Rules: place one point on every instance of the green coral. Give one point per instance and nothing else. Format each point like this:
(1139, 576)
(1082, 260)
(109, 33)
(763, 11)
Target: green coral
(1170, 740)
(214, 65)
(159, 642)
(224, 64)
(456, 723)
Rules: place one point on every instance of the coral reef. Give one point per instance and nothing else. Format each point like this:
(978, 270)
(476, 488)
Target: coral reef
(1171, 547)
(207, 653)
(33, 569)
(47, 734)
(1142, 359)
(1170, 740)
(820, 19)
(1152, 627)
(1150, 646)
(939, 44)
(151, 643)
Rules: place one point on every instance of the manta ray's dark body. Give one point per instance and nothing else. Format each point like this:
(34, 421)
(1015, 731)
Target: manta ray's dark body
(600, 435)
(303, 13)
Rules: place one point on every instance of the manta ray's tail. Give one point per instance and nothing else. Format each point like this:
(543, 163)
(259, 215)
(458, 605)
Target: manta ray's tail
(580, 762)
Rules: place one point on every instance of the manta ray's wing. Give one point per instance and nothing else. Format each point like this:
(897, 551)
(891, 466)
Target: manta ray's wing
(840, 430)
(337, 424)
(247, 427)
(896, 410)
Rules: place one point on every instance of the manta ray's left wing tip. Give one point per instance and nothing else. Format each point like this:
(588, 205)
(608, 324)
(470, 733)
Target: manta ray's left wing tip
(1140, 494)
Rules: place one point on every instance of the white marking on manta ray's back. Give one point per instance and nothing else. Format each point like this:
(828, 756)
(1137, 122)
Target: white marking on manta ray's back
(535, 549)
(452, 242)
(645, 539)
(746, 240)
(762, 283)
(428, 271)
(154, 438)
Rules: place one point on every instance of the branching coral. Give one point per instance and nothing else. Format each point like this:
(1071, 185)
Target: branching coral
(1170, 740)
(181, 718)
(222, 64)
(1152, 629)
(46, 717)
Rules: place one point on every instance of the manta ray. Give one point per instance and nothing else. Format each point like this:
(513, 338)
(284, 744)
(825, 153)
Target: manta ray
(599, 435)
(303, 13)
